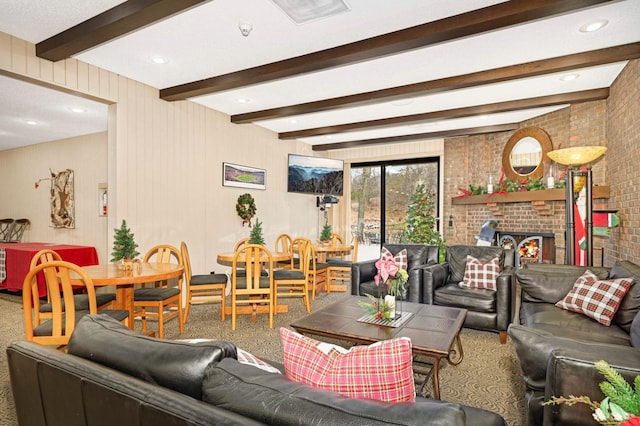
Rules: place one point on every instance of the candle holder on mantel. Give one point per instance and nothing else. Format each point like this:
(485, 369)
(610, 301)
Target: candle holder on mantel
(576, 158)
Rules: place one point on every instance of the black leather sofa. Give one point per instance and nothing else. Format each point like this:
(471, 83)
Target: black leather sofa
(486, 309)
(418, 257)
(557, 349)
(112, 376)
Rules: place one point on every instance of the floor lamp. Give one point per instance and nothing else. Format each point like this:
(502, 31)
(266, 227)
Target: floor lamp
(575, 159)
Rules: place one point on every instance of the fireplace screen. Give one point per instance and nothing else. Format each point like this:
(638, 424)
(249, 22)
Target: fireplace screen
(529, 248)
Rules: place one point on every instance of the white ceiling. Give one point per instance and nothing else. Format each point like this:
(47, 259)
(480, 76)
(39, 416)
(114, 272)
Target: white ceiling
(205, 42)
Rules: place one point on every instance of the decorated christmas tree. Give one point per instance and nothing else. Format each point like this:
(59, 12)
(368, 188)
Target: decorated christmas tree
(421, 221)
(256, 234)
(124, 246)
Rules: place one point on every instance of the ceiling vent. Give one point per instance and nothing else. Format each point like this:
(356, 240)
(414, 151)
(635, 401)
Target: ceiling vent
(302, 11)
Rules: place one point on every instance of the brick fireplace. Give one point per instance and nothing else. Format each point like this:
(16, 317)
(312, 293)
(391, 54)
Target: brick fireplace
(530, 247)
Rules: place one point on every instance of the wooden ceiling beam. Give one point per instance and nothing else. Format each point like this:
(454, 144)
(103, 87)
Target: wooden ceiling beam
(466, 24)
(421, 136)
(513, 72)
(498, 107)
(127, 17)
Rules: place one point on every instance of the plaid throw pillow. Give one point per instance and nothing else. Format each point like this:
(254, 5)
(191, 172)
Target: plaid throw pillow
(481, 275)
(597, 299)
(381, 371)
(400, 258)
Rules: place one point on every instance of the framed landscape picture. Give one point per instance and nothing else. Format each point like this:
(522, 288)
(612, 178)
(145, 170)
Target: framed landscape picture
(243, 176)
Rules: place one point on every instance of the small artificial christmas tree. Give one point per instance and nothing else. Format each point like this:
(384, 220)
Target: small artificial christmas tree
(421, 223)
(256, 234)
(124, 246)
(325, 234)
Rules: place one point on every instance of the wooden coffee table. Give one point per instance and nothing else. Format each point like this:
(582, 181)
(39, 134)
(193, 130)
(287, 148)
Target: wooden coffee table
(434, 331)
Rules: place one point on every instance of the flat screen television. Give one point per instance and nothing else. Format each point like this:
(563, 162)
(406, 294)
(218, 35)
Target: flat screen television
(315, 175)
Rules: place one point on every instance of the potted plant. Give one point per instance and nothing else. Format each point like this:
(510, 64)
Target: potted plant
(256, 234)
(124, 247)
(325, 234)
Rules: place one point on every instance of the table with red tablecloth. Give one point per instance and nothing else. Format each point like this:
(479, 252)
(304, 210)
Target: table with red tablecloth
(18, 259)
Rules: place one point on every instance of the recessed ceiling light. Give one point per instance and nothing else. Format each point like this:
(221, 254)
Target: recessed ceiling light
(243, 100)
(77, 110)
(593, 26)
(483, 117)
(569, 77)
(293, 121)
(31, 122)
(160, 60)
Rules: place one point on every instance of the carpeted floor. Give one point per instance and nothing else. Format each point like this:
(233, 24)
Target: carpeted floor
(489, 376)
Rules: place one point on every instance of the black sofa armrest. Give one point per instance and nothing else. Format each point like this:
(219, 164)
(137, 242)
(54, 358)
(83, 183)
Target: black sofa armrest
(573, 372)
(362, 272)
(433, 277)
(506, 297)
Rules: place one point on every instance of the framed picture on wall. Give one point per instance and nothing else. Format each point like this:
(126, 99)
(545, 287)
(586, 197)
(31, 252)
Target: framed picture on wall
(243, 176)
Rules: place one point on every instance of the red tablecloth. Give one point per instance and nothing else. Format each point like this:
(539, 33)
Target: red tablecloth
(18, 259)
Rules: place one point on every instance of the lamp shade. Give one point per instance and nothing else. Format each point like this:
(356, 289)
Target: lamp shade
(577, 156)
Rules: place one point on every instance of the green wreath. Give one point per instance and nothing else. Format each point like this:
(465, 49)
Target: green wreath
(246, 208)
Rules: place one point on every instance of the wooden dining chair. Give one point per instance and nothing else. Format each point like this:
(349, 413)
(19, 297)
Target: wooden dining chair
(297, 248)
(294, 282)
(340, 269)
(252, 290)
(153, 302)
(206, 288)
(283, 245)
(103, 300)
(60, 277)
(317, 272)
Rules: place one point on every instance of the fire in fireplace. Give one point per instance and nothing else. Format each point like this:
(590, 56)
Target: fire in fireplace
(529, 247)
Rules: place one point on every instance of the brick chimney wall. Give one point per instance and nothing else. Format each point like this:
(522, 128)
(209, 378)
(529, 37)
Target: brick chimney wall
(614, 122)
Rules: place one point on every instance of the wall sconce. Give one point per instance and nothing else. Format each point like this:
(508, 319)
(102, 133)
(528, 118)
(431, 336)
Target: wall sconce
(578, 158)
(326, 201)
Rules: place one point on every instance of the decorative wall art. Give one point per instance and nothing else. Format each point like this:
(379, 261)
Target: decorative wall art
(62, 199)
(243, 176)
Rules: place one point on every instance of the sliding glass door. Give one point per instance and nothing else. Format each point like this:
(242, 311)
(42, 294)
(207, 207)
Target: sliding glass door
(380, 195)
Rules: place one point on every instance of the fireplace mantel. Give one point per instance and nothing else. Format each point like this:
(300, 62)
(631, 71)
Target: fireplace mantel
(599, 191)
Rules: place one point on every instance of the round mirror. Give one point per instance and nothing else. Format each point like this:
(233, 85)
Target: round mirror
(525, 153)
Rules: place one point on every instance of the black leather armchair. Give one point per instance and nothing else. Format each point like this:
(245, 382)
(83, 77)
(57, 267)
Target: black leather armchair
(418, 257)
(487, 309)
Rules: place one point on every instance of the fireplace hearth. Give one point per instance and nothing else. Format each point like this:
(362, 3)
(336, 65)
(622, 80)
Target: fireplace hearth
(530, 247)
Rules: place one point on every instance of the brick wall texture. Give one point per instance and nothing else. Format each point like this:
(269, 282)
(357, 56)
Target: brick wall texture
(614, 122)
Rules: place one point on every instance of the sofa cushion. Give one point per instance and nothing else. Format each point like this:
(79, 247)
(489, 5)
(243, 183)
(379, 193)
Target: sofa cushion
(634, 336)
(416, 253)
(175, 365)
(478, 274)
(630, 305)
(473, 299)
(561, 323)
(381, 371)
(550, 283)
(274, 399)
(597, 299)
(533, 347)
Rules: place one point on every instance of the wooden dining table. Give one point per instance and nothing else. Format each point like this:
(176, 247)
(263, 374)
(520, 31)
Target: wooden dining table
(124, 281)
(323, 249)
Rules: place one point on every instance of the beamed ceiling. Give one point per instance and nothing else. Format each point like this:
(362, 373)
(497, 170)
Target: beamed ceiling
(381, 72)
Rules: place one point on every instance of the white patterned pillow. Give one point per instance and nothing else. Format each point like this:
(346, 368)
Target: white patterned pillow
(481, 275)
(597, 299)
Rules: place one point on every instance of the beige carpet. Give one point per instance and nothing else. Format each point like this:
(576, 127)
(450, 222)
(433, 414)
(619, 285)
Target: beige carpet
(489, 376)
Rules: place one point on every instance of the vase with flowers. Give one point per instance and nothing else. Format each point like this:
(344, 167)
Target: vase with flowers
(394, 278)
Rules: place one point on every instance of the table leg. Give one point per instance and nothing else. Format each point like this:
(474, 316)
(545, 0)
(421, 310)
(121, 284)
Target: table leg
(124, 300)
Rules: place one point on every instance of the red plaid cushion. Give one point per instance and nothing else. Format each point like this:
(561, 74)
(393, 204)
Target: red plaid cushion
(400, 258)
(381, 371)
(481, 275)
(597, 299)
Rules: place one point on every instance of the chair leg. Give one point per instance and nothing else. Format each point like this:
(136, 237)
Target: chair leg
(180, 317)
(233, 315)
(161, 322)
(503, 337)
(186, 310)
(143, 312)
(223, 302)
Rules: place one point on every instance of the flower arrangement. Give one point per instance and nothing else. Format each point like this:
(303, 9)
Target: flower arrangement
(505, 185)
(394, 278)
(621, 405)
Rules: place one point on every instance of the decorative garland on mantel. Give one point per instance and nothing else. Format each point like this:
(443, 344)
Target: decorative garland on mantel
(246, 208)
